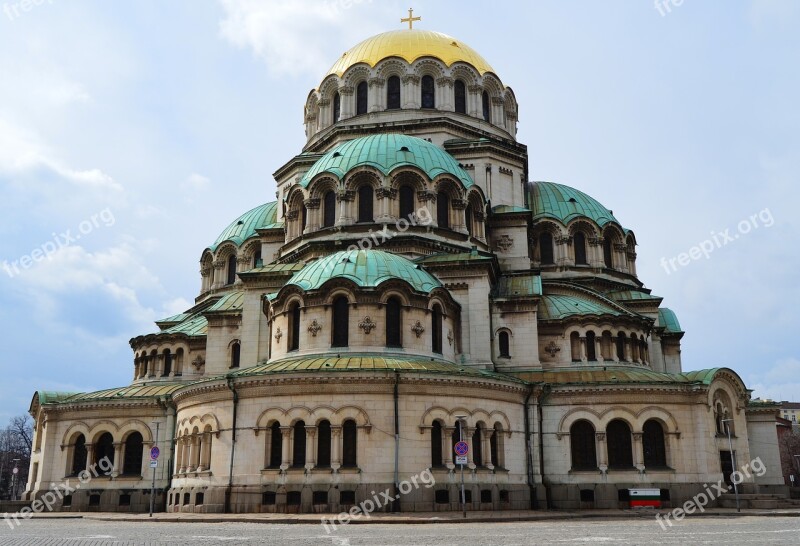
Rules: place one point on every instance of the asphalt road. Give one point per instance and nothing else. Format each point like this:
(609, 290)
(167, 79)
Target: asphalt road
(691, 531)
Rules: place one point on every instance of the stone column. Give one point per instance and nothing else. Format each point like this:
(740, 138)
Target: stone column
(447, 448)
(286, 433)
(89, 456)
(444, 94)
(336, 447)
(410, 91)
(466, 434)
(311, 446)
(598, 347)
(638, 451)
(474, 101)
(194, 453)
(626, 348)
(118, 463)
(584, 358)
(376, 95)
(218, 279)
(180, 466)
(614, 355)
(313, 220)
(486, 440)
(602, 452)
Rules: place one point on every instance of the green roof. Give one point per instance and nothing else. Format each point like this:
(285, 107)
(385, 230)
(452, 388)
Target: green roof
(613, 375)
(366, 268)
(136, 391)
(387, 152)
(507, 209)
(631, 295)
(447, 257)
(51, 397)
(515, 286)
(357, 362)
(262, 217)
(668, 319)
(194, 327)
(230, 302)
(558, 306)
(562, 203)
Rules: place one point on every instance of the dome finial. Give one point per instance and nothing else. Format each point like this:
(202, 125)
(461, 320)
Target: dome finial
(410, 19)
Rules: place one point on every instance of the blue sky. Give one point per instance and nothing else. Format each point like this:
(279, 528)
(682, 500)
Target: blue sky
(146, 127)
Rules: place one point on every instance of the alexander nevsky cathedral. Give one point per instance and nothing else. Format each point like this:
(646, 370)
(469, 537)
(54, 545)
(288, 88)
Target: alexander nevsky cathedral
(410, 286)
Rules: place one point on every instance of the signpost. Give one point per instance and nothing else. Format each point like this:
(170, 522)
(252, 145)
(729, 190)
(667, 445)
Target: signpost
(154, 453)
(461, 448)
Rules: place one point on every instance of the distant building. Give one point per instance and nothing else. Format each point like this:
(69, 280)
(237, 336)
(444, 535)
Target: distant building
(790, 411)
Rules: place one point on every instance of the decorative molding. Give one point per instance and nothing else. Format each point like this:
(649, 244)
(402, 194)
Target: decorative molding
(450, 337)
(198, 362)
(552, 349)
(504, 243)
(418, 328)
(367, 325)
(314, 327)
(278, 334)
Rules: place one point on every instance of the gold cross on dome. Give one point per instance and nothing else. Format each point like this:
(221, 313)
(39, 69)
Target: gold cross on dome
(410, 19)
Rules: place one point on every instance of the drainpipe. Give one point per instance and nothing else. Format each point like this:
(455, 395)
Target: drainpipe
(548, 502)
(528, 451)
(396, 503)
(229, 489)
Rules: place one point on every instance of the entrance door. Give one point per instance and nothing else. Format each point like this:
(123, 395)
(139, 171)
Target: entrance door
(727, 466)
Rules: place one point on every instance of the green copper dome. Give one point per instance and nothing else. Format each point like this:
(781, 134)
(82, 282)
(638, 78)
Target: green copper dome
(245, 226)
(562, 203)
(387, 152)
(366, 268)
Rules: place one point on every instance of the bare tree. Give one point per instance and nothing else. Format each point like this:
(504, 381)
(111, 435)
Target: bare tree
(15, 451)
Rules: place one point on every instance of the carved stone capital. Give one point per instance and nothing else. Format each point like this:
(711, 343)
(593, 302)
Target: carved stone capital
(445, 80)
(312, 202)
(382, 192)
(376, 82)
(413, 78)
(458, 204)
(426, 195)
(345, 195)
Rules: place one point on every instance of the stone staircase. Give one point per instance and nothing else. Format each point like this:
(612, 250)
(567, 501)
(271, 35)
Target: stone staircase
(758, 501)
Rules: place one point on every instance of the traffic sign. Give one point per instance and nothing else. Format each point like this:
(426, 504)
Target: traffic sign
(461, 448)
(461, 459)
(154, 463)
(15, 471)
(155, 452)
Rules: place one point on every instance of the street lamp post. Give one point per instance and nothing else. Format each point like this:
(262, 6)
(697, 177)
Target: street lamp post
(461, 439)
(733, 462)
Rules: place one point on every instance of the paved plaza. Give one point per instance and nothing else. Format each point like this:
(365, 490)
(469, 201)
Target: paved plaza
(613, 531)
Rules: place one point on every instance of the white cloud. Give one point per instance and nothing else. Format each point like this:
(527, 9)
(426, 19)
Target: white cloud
(299, 36)
(196, 182)
(779, 382)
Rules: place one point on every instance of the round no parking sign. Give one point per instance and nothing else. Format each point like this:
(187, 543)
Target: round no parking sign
(154, 453)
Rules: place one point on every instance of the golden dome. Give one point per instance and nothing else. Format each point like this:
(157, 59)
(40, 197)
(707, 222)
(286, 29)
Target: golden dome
(410, 45)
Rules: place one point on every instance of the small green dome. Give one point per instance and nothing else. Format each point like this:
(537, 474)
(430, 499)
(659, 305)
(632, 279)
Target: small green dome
(563, 203)
(366, 268)
(387, 152)
(245, 226)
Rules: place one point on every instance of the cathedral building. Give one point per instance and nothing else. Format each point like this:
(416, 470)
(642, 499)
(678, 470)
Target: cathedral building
(409, 287)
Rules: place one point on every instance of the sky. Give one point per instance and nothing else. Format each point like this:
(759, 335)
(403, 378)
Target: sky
(133, 133)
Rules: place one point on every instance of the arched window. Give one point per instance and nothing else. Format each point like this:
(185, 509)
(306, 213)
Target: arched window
(104, 449)
(324, 444)
(365, 194)
(496, 445)
(428, 92)
(341, 320)
(461, 96)
(546, 248)
(634, 348)
(591, 346)
(443, 210)
(436, 329)
(294, 326)
(655, 451)
(575, 346)
(231, 269)
(477, 445)
(505, 351)
(361, 98)
(299, 445)
(468, 219)
(303, 222)
(349, 444)
(456, 436)
(393, 93)
(436, 444)
(582, 446)
(618, 440)
(329, 209)
(257, 254)
(275, 445)
(406, 201)
(79, 455)
(579, 242)
(133, 455)
(235, 354)
(621, 337)
(167, 363)
(607, 254)
(337, 107)
(393, 321)
(487, 112)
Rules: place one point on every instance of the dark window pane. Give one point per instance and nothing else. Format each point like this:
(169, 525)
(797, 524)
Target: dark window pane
(341, 320)
(443, 210)
(618, 439)
(436, 329)
(337, 107)
(104, 449)
(621, 347)
(324, 444)
(436, 444)
(461, 97)
(167, 363)
(655, 453)
(361, 98)
(349, 441)
(299, 455)
(294, 331)
(504, 345)
(579, 242)
(428, 92)
(393, 323)
(406, 201)
(133, 455)
(393, 93)
(546, 248)
(329, 211)
(365, 195)
(235, 354)
(468, 219)
(79, 455)
(591, 346)
(275, 445)
(582, 445)
(607, 256)
(487, 112)
(231, 269)
(477, 447)
(319, 497)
